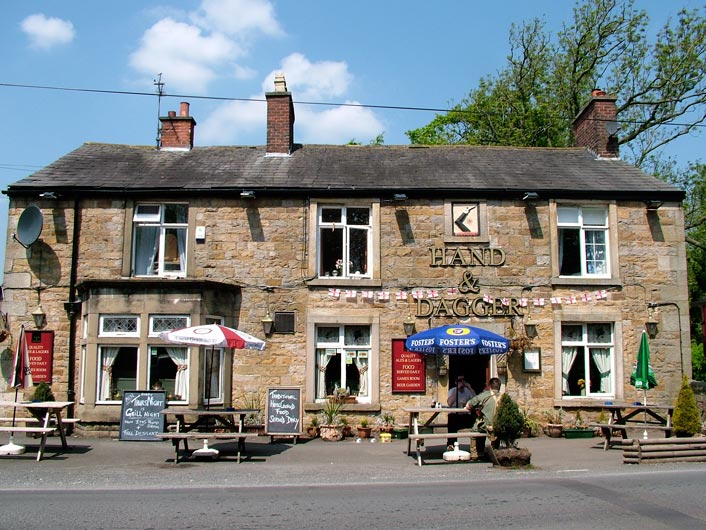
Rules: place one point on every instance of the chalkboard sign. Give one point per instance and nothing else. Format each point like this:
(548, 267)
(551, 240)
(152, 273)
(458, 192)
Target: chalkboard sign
(139, 416)
(283, 411)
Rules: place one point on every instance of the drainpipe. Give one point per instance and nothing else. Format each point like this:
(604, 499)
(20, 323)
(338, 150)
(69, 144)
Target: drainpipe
(73, 306)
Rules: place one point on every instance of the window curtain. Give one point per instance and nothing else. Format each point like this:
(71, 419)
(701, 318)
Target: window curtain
(146, 249)
(601, 356)
(321, 375)
(181, 245)
(181, 380)
(362, 365)
(568, 356)
(108, 356)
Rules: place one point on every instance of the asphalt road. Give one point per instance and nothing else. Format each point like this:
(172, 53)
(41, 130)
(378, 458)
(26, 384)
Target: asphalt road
(659, 499)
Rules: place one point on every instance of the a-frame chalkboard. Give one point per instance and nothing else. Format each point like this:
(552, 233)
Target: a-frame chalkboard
(140, 418)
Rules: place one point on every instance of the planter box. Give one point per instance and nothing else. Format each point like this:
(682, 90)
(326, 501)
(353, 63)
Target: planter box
(578, 433)
(400, 434)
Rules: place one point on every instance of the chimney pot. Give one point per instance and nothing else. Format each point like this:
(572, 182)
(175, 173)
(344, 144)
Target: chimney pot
(171, 114)
(280, 83)
(177, 132)
(184, 109)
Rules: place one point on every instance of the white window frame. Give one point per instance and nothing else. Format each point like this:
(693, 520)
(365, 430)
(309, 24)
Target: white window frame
(155, 333)
(144, 218)
(99, 371)
(218, 353)
(340, 347)
(344, 271)
(587, 346)
(103, 333)
(584, 226)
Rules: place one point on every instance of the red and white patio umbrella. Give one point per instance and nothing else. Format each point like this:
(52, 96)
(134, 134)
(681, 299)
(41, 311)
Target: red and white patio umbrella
(215, 336)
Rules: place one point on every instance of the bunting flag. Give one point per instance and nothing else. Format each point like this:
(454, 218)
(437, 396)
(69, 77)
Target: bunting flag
(523, 302)
(21, 371)
(383, 295)
(401, 296)
(601, 295)
(555, 300)
(488, 299)
(367, 295)
(538, 302)
(351, 293)
(432, 293)
(586, 297)
(571, 299)
(334, 293)
(505, 302)
(417, 294)
(452, 290)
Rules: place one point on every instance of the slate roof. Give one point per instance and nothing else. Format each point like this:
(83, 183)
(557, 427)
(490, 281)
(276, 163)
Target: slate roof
(97, 169)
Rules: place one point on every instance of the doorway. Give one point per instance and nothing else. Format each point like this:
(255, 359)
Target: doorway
(476, 369)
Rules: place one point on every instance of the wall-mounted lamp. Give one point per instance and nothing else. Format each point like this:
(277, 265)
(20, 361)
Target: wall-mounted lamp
(399, 197)
(653, 205)
(267, 324)
(531, 328)
(40, 319)
(48, 195)
(247, 194)
(409, 325)
(651, 327)
(530, 196)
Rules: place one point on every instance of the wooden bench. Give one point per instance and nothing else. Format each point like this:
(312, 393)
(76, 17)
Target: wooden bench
(184, 437)
(23, 419)
(43, 431)
(608, 429)
(637, 451)
(418, 439)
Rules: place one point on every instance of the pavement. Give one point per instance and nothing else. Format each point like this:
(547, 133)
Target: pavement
(105, 463)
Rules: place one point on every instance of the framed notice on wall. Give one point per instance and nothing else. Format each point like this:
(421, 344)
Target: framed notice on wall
(408, 369)
(40, 347)
(532, 360)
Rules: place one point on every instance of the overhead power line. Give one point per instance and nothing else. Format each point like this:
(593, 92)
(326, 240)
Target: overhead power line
(261, 100)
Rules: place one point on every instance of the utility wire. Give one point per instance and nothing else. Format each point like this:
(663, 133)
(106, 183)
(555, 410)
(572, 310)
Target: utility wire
(261, 100)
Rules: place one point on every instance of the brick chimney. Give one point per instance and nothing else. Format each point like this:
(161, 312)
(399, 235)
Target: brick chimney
(177, 132)
(280, 119)
(590, 125)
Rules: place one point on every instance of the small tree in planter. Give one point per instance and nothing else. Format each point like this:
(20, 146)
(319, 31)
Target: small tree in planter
(43, 393)
(507, 428)
(686, 420)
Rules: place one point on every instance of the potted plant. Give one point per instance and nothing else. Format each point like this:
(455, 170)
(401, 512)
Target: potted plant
(342, 395)
(331, 426)
(313, 429)
(347, 429)
(364, 428)
(254, 421)
(506, 430)
(555, 422)
(531, 427)
(686, 419)
(43, 393)
(386, 422)
(579, 429)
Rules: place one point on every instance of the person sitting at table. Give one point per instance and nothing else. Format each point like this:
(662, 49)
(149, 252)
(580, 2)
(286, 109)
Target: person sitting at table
(486, 402)
(458, 397)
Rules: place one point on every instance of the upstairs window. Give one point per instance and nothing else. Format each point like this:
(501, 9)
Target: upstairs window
(583, 241)
(160, 239)
(345, 239)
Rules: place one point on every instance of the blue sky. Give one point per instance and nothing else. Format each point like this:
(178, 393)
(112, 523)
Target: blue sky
(405, 53)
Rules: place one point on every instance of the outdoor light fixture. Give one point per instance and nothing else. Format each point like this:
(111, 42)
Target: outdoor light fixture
(40, 319)
(399, 197)
(530, 196)
(531, 328)
(247, 194)
(653, 205)
(267, 324)
(409, 325)
(651, 326)
(443, 369)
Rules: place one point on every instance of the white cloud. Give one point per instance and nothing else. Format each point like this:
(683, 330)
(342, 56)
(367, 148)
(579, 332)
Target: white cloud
(314, 81)
(191, 55)
(237, 17)
(337, 125)
(187, 59)
(45, 32)
(234, 123)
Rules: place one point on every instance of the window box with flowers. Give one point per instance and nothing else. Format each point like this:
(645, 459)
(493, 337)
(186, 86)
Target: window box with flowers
(578, 429)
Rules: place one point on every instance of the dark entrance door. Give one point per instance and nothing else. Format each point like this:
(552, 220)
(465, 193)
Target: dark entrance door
(476, 369)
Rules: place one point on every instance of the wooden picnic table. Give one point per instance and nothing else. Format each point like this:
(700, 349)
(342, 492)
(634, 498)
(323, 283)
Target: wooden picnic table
(49, 415)
(202, 425)
(637, 416)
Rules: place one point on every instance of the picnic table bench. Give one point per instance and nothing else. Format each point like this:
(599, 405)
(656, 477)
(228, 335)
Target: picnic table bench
(610, 429)
(46, 419)
(178, 438)
(418, 439)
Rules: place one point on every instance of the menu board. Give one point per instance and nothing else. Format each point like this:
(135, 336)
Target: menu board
(283, 411)
(140, 418)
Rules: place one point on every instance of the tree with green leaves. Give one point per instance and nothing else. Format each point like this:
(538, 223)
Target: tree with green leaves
(686, 419)
(660, 82)
(508, 422)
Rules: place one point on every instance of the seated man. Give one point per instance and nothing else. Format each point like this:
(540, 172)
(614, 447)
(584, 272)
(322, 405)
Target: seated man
(487, 402)
(458, 397)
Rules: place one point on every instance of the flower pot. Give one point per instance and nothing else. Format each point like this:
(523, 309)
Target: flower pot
(331, 433)
(578, 433)
(364, 432)
(401, 433)
(554, 430)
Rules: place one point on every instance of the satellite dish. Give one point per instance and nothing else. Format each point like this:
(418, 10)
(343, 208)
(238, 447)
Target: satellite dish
(29, 226)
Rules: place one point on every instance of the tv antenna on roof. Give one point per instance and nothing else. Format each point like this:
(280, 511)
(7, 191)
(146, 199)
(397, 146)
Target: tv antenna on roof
(160, 92)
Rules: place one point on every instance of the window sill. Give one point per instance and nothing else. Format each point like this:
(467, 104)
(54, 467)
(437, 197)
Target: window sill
(586, 281)
(344, 282)
(357, 407)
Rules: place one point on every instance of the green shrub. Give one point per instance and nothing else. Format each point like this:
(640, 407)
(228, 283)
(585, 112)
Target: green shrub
(686, 420)
(508, 422)
(43, 393)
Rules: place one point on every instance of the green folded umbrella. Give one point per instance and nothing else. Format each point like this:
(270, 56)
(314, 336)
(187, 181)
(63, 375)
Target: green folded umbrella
(642, 376)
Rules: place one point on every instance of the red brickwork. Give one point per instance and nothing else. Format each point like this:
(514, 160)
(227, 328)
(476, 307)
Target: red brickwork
(590, 126)
(280, 122)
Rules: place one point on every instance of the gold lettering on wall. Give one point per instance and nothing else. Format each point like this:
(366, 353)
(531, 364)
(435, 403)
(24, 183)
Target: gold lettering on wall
(466, 257)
